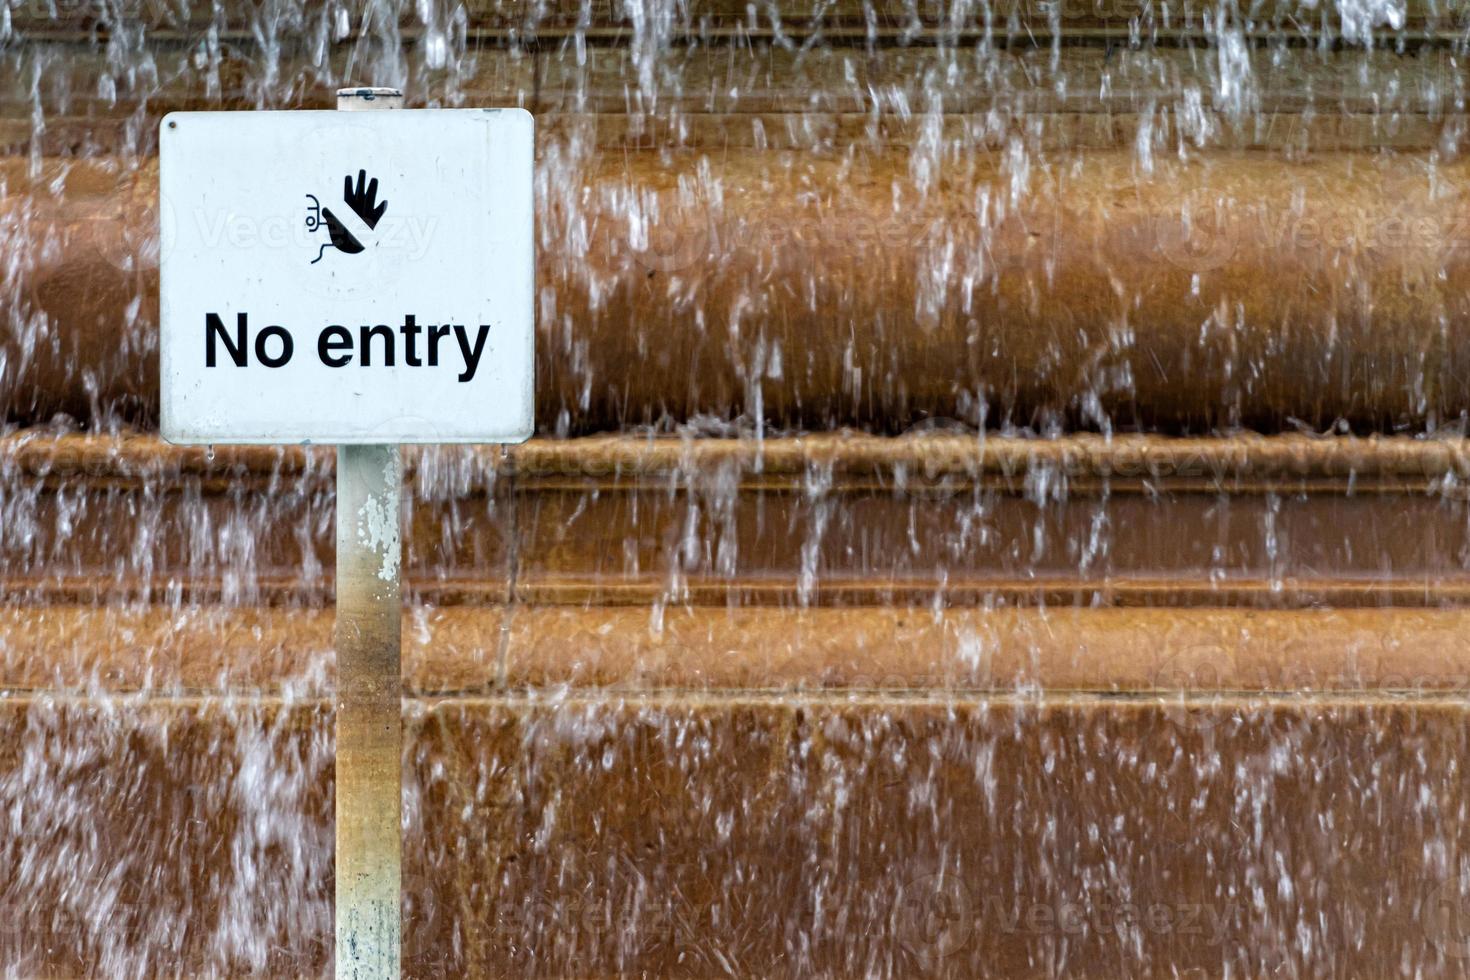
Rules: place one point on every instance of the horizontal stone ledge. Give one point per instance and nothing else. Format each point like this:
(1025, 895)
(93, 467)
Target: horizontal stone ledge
(1159, 655)
(1245, 462)
(778, 588)
(1234, 291)
(1209, 844)
(790, 129)
(774, 79)
(302, 710)
(936, 520)
(1439, 33)
(237, 20)
(831, 99)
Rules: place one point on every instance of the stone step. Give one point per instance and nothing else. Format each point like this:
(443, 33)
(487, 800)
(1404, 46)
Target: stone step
(1228, 742)
(607, 21)
(684, 835)
(927, 521)
(1168, 657)
(1206, 296)
(826, 98)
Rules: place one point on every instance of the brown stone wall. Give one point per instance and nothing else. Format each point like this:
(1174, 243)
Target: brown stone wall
(835, 835)
(821, 290)
(608, 774)
(794, 658)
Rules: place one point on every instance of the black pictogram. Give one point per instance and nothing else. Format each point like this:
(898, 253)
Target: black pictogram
(362, 200)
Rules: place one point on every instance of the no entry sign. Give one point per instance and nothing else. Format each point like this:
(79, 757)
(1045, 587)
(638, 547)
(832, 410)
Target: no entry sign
(347, 277)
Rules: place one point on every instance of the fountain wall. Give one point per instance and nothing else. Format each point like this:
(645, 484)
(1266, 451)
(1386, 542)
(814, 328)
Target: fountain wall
(998, 506)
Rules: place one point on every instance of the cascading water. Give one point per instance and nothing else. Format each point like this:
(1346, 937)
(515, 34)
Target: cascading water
(999, 506)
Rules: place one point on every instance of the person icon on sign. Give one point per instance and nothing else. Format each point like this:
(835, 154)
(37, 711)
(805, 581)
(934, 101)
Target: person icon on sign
(363, 213)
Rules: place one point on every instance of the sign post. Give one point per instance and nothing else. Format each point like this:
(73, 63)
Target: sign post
(365, 281)
(369, 697)
(369, 711)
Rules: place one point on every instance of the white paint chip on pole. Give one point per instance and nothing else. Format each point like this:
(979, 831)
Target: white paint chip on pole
(365, 281)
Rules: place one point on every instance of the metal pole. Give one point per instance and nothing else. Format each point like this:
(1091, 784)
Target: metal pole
(369, 706)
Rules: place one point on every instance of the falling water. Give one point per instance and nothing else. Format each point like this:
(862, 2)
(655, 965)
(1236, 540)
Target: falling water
(998, 506)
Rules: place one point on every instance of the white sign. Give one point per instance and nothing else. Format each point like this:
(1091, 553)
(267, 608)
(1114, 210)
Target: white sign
(347, 277)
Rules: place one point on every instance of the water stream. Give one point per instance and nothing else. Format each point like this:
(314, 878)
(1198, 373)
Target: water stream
(811, 676)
